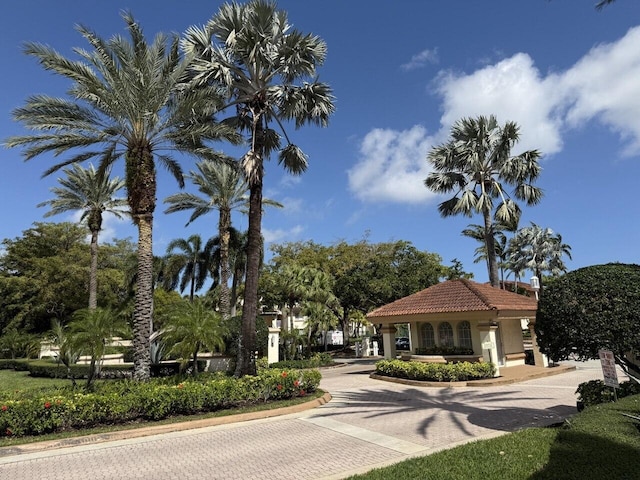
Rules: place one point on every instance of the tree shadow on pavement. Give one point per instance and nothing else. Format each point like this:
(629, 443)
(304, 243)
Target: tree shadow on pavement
(495, 410)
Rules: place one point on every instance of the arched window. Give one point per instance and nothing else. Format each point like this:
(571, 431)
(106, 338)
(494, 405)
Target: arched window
(464, 335)
(445, 334)
(426, 334)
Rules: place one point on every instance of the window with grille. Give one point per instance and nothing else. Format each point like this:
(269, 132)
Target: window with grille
(445, 334)
(464, 335)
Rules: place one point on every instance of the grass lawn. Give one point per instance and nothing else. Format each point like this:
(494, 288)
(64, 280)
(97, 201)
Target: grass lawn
(598, 443)
(10, 381)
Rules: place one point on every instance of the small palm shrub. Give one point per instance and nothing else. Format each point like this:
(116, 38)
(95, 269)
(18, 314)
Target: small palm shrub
(595, 392)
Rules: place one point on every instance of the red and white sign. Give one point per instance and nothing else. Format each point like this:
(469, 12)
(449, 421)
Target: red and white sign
(608, 362)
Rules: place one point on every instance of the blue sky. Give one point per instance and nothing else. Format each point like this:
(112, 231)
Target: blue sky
(402, 73)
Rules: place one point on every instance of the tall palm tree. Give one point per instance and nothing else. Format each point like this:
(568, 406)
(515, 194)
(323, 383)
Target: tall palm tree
(224, 189)
(189, 266)
(476, 164)
(539, 250)
(269, 71)
(93, 193)
(126, 101)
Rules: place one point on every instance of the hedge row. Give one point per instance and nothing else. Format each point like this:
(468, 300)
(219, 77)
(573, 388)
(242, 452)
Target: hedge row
(317, 360)
(435, 372)
(595, 392)
(438, 350)
(125, 401)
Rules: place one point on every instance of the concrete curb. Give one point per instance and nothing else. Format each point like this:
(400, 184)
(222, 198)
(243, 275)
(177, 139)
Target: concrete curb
(159, 429)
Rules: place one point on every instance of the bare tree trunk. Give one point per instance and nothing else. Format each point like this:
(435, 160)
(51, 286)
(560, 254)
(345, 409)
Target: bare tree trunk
(225, 273)
(490, 242)
(93, 272)
(143, 308)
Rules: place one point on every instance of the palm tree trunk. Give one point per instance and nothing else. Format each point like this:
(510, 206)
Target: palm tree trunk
(143, 309)
(225, 236)
(246, 362)
(490, 242)
(93, 272)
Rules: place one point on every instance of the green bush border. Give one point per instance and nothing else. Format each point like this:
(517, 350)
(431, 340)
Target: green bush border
(124, 401)
(435, 372)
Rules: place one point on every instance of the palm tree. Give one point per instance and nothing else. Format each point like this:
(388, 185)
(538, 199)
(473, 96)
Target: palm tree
(252, 50)
(190, 266)
(539, 250)
(93, 193)
(476, 164)
(127, 101)
(90, 331)
(476, 232)
(223, 188)
(191, 326)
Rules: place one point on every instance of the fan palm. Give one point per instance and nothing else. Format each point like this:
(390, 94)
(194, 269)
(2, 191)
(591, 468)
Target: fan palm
(223, 188)
(127, 101)
(254, 53)
(190, 266)
(539, 250)
(476, 164)
(500, 243)
(93, 193)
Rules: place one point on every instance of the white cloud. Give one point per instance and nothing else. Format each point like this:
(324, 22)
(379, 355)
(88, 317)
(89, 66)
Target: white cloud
(287, 181)
(279, 235)
(512, 90)
(605, 85)
(292, 205)
(392, 166)
(419, 60)
(602, 86)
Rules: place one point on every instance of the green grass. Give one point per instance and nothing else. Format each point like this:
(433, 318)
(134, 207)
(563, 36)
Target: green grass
(10, 381)
(598, 443)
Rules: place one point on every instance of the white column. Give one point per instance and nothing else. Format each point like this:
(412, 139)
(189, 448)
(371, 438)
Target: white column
(389, 341)
(539, 359)
(489, 344)
(273, 347)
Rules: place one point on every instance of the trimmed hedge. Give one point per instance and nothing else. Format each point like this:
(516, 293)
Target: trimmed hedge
(595, 392)
(435, 372)
(444, 351)
(125, 401)
(317, 360)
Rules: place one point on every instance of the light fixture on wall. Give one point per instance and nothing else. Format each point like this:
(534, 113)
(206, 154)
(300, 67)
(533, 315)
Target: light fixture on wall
(535, 285)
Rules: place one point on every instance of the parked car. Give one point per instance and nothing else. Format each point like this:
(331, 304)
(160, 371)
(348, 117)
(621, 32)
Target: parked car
(402, 343)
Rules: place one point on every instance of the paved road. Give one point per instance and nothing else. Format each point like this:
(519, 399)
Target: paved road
(368, 423)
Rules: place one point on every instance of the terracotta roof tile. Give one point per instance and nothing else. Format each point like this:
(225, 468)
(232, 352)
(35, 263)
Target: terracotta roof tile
(458, 295)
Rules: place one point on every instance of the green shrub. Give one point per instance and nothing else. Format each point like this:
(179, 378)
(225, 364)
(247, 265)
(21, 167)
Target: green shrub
(435, 372)
(444, 351)
(595, 392)
(317, 360)
(35, 413)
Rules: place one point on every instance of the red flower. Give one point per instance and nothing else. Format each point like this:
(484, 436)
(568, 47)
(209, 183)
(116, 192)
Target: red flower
(302, 393)
(47, 405)
(279, 387)
(296, 383)
(284, 374)
(4, 408)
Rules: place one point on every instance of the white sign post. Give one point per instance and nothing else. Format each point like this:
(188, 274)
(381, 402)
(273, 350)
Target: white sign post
(608, 362)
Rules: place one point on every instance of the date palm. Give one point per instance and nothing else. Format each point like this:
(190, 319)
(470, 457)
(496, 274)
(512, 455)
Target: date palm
(269, 71)
(539, 250)
(223, 188)
(189, 266)
(93, 193)
(126, 101)
(476, 165)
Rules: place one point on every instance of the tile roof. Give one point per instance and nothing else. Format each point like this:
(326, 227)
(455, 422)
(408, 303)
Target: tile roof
(460, 295)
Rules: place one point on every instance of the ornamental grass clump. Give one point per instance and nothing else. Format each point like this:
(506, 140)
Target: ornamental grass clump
(126, 401)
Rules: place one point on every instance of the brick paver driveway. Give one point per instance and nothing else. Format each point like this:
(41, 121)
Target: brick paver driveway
(368, 423)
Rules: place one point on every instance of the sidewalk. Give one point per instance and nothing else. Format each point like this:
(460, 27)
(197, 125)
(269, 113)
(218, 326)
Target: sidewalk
(367, 423)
